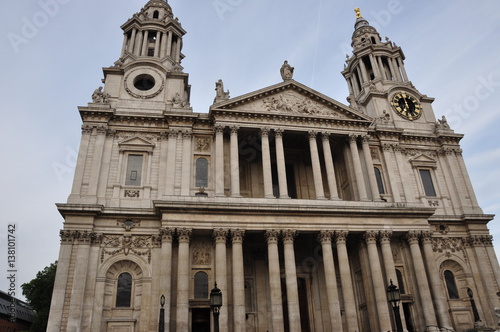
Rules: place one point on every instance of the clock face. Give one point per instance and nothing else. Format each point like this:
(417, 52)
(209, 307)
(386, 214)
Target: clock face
(406, 106)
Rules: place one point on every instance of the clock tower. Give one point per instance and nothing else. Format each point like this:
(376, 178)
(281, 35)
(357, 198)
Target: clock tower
(378, 83)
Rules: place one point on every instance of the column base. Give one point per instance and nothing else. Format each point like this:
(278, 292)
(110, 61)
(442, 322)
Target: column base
(285, 197)
(321, 198)
(269, 196)
(236, 196)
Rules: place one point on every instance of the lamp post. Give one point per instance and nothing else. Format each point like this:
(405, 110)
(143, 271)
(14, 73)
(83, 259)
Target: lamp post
(161, 323)
(394, 296)
(215, 304)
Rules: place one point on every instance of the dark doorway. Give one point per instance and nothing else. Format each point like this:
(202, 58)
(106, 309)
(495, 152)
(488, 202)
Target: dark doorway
(290, 179)
(201, 320)
(408, 318)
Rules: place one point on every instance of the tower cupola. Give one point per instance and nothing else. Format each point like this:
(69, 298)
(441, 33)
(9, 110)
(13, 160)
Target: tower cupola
(374, 65)
(153, 33)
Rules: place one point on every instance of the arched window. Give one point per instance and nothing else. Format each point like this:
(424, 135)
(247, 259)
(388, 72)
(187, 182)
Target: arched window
(451, 285)
(124, 290)
(380, 182)
(201, 173)
(156, 14)
(201, 285)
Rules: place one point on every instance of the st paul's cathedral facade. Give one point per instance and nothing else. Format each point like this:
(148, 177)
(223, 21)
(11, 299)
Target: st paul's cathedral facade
(302, 209)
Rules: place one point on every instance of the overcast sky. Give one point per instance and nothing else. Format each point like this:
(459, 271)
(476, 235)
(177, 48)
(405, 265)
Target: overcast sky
(52, 52)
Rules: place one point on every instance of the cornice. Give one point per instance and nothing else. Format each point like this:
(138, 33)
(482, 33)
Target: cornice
(306, 208)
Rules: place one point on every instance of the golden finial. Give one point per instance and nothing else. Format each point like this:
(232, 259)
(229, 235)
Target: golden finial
(358, 12)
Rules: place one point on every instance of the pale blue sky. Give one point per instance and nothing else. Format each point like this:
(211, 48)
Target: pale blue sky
(452, 50)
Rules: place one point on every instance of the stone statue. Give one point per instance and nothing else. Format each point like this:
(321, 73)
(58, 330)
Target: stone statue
(220, 94)
(286, 71)
(100, 97)
(443, 123)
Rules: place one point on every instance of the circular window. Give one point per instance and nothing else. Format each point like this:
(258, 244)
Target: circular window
(144, 82)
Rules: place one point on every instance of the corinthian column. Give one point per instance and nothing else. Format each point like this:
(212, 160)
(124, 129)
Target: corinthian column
(330, 170)
(266, 163)
(184, 236)
(358, 171)
(167, 235)
(280, 163)
(390, 269)
(238, 280)
(274, 280)
(187, 159)
(346, 282)
(291, 281)
(379, 284)
(220, 237)
(219, 160)
(331, 280)
(316, 166)
(421, 276)
(435, 280)
(171, 156)
(235, 165)
(369, 168)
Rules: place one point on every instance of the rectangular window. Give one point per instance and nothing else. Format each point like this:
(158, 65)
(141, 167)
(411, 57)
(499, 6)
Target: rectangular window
(429, 190)
(134, 170)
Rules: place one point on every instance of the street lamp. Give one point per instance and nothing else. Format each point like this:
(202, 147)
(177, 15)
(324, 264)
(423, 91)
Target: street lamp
(394, 296)
(215, 304)
(161, 323)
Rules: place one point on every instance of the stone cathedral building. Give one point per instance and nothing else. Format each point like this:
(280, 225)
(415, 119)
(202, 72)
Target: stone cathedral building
(300, 207)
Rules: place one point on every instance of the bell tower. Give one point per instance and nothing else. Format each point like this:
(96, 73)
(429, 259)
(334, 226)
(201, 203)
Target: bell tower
(378, 83)
(149, 68)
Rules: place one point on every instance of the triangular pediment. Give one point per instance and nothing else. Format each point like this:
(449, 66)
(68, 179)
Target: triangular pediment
(136, 143)
(423, 160)
(290, 98)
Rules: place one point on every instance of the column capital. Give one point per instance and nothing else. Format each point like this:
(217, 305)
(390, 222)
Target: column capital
(219, 128)
(102, 130)
(325, 237)
(166, 234)
(234, 129)
(370, 237)
(385, 236)
(289, 235)
(278, 132)
(184, 235)
(413, 237)
(366, 138)
(325, 136)
(237, 235)
(173, 133)
(426, 237)
(272, 236)
(312, 134)
(341, 237)
(352, 138)
(220, 235)
(87, 129)
(264, 132)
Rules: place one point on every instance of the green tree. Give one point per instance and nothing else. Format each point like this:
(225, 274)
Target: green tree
(38, 292)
